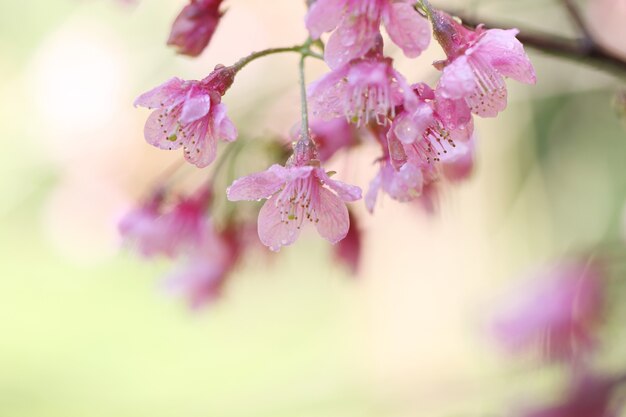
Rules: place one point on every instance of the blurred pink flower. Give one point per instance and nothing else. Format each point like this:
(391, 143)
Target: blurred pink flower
(404, 184)
(158, 232)
(558, 311)
(331, 136)
(363, 89)
(201, 277)
(194, 26)
(190, 114)
(348, 250)
(357, 23)
(296, 193)
(139, 227)
(477, 63)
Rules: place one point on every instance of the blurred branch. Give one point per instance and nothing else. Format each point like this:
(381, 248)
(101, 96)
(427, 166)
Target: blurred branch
(574, 13)
(585, 51)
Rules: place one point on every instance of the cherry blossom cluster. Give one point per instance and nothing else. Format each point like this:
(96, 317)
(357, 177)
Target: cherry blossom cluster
(425, 133)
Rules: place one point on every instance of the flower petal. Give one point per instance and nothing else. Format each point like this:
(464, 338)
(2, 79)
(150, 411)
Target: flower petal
(160, 130)
(223, 127)
(407, 29)
(326, 95)
(273, 231)
(201, 144)
(457, 80)
(256, 186)
(353, 38)
(333, 222)
(324, 16)
(372, 192)
(164, 95)
(506, 54)
(346, 192)
(195, 106)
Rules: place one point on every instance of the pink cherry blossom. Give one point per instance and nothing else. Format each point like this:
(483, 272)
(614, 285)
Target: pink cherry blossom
(558, 311)
(201, 277)
(194, 26)
(331, 136)
(139, 227)
(430, 132)
(477, 63)
(404, 184)
(190, 114)
(357, 23)
(298, 192)
(361, 90)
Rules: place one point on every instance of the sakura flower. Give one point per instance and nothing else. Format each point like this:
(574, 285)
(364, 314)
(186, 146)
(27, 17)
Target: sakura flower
(358, 22)
(332, 135)
(186, 225)
(404, 184)
(190, 114)
(298, 192)
(477, 63)
(361, 90)
(201, 277)
(194, 26)
(430, 132)
(348, 250)
(139, 227)
(558, 311)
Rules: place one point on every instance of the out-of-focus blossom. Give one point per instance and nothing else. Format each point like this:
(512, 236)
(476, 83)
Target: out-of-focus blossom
(348, 250)
(404, 184)
(296, 193)
(201, 277)
(331, 136)
(558, 311)
(156, 231)
(477, 63)
(139, 227)
(589, 396)
(190, 114)
(364, 89)
(194, 26)
(358, 22)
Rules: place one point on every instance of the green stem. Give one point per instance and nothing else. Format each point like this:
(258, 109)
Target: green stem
(303, 50)
(304, 108)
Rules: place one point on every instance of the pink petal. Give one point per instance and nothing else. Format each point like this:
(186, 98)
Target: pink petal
(457, 80)
(273, 231)
(326, 95)
(256, 186)
(201, 145)
(333, 222)
(172, 89)
(407, 29)
(372, 192)
(346, 192)
(506, 54)
(324, 16)
(195, 107)
(352, 39)
(158, 131)
(223, 127)
(409, 127)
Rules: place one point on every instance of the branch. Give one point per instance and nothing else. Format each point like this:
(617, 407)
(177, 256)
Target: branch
(577, 50)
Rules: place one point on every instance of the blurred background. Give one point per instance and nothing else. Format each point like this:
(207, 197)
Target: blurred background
(86, 328)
